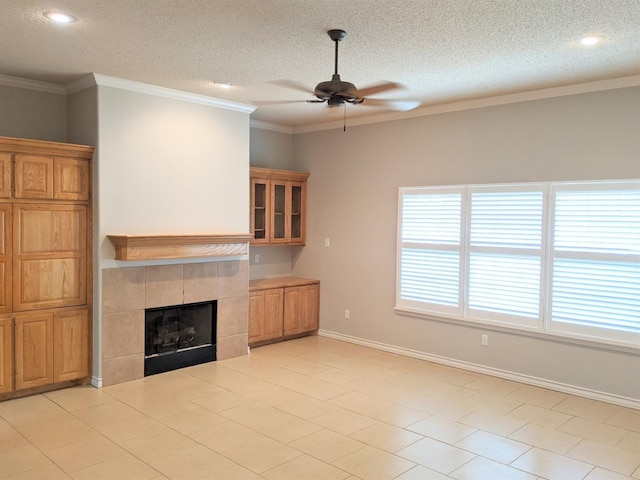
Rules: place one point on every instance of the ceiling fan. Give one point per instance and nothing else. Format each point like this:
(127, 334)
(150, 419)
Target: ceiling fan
(336, 92)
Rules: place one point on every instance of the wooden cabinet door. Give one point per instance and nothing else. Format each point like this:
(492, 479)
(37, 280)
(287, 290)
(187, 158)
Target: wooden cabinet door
(289, 209)
(71, 179)
(301, 309)
(310, 307)
(297, 196)
(70, 345)
(260, 211)
(34, 350)
(5, 175)
(50, 251)
(265, 315)
(256, 316)
(6, 354)
(292, 317)
(34, 176)
(5, 257)
(273, 311)
(280, 212)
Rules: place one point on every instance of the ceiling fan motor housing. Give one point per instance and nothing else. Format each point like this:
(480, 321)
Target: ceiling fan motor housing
(326, 90)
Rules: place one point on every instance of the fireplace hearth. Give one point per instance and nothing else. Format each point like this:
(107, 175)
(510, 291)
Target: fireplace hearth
(179, 336)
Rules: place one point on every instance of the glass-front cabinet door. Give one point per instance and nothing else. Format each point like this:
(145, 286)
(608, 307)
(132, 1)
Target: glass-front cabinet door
(296, 215)
(260, 211)
(279, 199)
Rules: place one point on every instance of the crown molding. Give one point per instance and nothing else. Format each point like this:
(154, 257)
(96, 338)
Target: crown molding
(82, 83)
(274, 127)
(25, 83)
(139, 87)
(587, 87)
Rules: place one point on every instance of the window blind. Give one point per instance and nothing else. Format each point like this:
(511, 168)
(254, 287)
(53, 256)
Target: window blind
(430, 255)
(561, 257)
(505, 250)
(596, 258)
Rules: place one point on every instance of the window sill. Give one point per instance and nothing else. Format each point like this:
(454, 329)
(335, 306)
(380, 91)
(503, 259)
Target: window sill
(601, 344)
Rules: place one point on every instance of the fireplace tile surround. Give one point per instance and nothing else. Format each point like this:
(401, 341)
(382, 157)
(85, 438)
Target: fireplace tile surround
(127, 291)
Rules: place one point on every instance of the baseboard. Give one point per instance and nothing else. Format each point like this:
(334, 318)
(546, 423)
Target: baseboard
(96, 382)
(495, 372)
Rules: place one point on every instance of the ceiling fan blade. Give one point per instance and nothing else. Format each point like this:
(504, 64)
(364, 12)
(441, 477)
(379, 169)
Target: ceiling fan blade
(293, 86)
(400, 105)
(382, 87)
(266, 103)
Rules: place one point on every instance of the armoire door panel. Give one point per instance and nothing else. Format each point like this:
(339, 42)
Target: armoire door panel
(33, 176)
(49, 283)
(6, 354)
(5, 175)
(34, 350)
(50, 229)
(5, 258)
(70, 345)
(49, 256)
(71, 179)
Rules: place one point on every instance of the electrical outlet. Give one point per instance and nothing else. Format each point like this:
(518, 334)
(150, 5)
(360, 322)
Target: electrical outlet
(327, 242)
(256, 258)
(485, 340)
(347, 314)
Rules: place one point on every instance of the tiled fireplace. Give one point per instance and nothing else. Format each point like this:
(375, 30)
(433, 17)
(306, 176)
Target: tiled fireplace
(126, 292)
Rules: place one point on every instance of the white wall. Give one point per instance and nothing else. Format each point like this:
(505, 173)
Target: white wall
(170, 167)
(353, 191)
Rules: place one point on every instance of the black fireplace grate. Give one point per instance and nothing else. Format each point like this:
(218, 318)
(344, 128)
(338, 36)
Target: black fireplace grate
(179, 336)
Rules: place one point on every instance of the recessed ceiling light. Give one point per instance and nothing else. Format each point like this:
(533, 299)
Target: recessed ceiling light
(590, 40)
(59, 17)
(223, 84)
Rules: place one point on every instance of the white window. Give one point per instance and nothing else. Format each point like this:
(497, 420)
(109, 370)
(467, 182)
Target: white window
(595, 255)
(557, 257)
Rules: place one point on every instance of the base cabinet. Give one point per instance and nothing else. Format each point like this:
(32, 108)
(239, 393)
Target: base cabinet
(282, 308)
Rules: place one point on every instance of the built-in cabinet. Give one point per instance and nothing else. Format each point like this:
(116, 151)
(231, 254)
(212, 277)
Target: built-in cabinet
(282, 308)
(45, 274)
(278, 206)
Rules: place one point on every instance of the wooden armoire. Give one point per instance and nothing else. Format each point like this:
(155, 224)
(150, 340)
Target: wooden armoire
(45, 265)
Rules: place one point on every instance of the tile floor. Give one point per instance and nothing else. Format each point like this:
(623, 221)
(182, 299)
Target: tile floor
(317, 408)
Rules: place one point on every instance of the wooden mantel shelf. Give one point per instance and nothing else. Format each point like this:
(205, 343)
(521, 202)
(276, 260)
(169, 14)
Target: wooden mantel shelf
(154, 247)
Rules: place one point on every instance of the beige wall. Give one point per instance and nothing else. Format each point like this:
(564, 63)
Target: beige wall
(353, 191)
(271, 149)
(26, 113)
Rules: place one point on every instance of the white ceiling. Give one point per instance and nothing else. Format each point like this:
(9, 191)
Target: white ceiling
(442, 51)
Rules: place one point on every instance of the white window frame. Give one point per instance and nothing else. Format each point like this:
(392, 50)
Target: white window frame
(540, 326)
(585, 331)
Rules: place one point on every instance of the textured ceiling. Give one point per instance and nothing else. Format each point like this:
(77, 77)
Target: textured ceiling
(440, 50)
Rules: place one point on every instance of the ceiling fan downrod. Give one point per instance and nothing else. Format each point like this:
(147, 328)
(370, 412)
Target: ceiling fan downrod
(336, 36)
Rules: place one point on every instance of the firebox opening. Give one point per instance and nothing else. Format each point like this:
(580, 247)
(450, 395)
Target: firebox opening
(179, 336)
